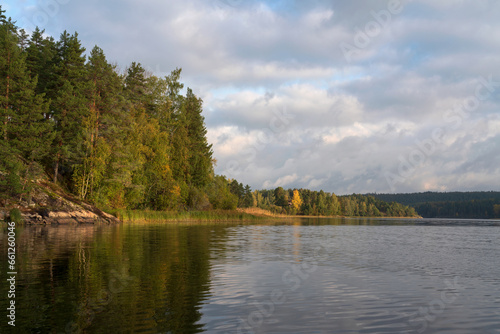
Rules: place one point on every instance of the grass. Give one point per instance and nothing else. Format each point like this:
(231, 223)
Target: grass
(173, 216)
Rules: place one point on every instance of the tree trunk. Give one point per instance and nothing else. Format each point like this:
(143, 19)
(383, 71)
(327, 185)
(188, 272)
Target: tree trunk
(56, 169)
(6, 121)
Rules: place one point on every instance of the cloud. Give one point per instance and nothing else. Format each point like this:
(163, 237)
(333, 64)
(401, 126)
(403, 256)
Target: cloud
(283, 181)
(283, 105)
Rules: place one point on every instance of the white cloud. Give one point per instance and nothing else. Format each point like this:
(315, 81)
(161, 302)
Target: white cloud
(343, 125)
(283, 181)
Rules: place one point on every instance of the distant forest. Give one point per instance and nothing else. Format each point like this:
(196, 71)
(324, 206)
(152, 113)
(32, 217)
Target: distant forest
(122, 140)
(483, 204)
(318, 203)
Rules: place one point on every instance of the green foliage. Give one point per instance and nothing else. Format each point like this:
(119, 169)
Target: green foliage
(244, 195)
(320, 203)
(220, 195)
(10, 171)
(25, 133)
(40, 59)
(248, 198)
(120, 141)
(200, 157)
(15, 216)
(198, 199)
(281, 197)
(135, 84)
(69, 107)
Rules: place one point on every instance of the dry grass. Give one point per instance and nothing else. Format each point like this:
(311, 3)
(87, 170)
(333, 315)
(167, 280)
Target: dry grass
(261, 212)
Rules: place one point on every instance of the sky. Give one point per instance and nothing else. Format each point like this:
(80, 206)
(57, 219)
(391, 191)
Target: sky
(345, 96)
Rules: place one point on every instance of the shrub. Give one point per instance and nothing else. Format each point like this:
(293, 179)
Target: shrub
(15, 216)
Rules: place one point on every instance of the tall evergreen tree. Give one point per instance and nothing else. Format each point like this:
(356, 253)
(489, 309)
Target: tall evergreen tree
(177, 128)
(23, 39)
(41, 56)
(281, 198)
(135, 84)
(248, 199)
(10, 63)
(69, 104)
(200, 159)
(25, 132)
(180, 149)
(10, 67)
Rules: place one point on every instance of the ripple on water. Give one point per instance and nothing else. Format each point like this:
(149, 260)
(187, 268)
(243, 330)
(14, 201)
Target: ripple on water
(367, 279)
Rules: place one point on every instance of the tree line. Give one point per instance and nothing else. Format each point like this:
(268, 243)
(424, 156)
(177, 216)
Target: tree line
(433, 196)
(473, 209)
(474, 204)
(317, 203)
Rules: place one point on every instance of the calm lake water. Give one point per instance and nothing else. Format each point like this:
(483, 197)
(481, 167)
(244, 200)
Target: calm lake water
(304, 276)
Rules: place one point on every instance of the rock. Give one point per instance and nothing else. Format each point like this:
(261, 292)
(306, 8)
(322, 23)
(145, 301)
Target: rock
(50, 205)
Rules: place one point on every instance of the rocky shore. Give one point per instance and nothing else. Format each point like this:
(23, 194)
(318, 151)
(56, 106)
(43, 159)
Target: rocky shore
(51, 205)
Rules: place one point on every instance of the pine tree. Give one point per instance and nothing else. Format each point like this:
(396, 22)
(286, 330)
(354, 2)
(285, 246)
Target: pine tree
(41, 56)
(157, 102)
(135, 84)
(178, 129)
(281, 198)
(200, 155)
(248, 199)
(69, 104)
(23, 38)
(10, 66)
(26, 132)
(10, 165)
(3, 18)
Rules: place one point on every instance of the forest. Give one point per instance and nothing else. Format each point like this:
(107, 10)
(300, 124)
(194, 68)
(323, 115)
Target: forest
(119, 140)
(122, 139)
(474, 204)
(318, 203)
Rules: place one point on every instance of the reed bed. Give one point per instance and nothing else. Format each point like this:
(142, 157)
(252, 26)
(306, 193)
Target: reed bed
(173, 216)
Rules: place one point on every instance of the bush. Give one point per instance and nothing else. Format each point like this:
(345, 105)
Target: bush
(15, 216)
(220, 196)
(198, 200)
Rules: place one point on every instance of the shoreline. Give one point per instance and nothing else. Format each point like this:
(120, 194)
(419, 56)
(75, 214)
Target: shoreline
(51, 205)
(93, 215)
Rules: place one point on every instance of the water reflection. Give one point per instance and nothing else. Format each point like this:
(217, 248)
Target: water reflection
(114, 279)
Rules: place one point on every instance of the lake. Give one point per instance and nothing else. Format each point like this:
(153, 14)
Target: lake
(297, 276)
